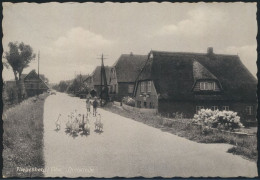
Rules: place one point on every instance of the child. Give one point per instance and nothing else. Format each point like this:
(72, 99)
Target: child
(95, 104)
(88, 105)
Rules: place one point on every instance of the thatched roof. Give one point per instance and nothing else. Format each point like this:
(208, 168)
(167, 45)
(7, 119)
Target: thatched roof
(200, 72)
(42, 77)
(96, 74)
(128, 66)
(174, 75)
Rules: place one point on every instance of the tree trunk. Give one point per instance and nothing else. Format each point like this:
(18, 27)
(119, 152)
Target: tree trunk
(18, 86)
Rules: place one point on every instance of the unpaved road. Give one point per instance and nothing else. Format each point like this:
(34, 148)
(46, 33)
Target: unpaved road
(127, 148)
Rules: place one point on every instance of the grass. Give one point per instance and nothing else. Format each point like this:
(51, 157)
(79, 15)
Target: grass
(23, 138)
(243, 146)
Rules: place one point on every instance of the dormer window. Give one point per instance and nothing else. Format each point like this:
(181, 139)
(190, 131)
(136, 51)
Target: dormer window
(208, 86)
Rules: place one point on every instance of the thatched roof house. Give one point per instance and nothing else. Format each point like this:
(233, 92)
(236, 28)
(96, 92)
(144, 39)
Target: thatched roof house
(31, 84)
(202, 79)
(124, 73)
(94, 79)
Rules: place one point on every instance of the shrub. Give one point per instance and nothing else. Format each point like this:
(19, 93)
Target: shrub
(11, 94)
(226, 120)
(128, 101)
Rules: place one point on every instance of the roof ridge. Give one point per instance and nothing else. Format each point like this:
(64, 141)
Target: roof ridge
(191, 53)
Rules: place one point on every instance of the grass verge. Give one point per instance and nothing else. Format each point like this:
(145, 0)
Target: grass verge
(243, 146)
(23, 138)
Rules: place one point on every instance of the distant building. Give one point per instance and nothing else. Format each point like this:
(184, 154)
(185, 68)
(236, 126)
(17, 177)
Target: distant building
(187, 82)
(123, 75)
(31, 84)
(93, 81)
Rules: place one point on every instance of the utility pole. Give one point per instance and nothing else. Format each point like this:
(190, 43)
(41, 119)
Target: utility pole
(38, 89)
(101, 94)
(103, 78)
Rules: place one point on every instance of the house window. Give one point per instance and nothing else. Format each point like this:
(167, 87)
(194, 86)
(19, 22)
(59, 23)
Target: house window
(207, 86)
(145, 104)
(142, 87)
(225, 108)
(249, 110)
(130, 88)
(149, 86)
(198, 108)
(214, 108)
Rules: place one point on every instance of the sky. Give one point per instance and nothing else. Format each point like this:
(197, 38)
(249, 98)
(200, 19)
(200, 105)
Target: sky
(72, 36)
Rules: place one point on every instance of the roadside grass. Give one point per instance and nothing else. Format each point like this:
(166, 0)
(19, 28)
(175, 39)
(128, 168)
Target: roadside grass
(244, 146)
(23, 138)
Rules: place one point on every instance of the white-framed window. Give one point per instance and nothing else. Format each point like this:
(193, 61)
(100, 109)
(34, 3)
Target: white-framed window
(143, 87)
(198, 108)
(249, 110)
(214, 108)
(225, 108)
(149, 86)
(130, 88)
(208, 86)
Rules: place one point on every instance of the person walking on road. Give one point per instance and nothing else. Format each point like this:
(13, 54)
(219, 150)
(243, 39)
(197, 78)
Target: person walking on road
(88, 104)
(95, 104)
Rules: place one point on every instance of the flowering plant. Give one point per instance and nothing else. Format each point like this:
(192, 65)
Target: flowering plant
(128, 101)
(227, 120)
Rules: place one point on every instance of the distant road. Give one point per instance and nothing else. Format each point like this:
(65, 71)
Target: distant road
(128, 148)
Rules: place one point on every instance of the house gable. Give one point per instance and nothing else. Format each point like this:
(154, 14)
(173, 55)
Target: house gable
(31, 81)
(128, 66)
(96, 75)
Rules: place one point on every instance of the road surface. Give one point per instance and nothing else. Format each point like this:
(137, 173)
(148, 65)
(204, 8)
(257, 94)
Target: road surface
(127, 148)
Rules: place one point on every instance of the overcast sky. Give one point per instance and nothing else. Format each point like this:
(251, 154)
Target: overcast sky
(71, 36)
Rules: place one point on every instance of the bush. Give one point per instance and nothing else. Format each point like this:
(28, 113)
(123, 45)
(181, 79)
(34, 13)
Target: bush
(128, 101)
(12, 95)
(226, 120)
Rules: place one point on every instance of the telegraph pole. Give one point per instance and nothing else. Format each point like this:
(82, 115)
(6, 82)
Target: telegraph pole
(103, 75)
(38, 89)
(102, 63)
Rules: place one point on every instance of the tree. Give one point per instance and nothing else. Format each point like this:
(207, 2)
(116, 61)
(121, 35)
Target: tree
(19, 57)
(63, 86)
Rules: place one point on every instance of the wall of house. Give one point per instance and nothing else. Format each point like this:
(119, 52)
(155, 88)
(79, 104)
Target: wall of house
(123, 90)
(140, 100)
(240, 108)
(168, 108)
(189, 108)
(120, 91)
(33, 88)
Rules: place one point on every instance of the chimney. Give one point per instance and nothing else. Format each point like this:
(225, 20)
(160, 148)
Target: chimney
(210, 50)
